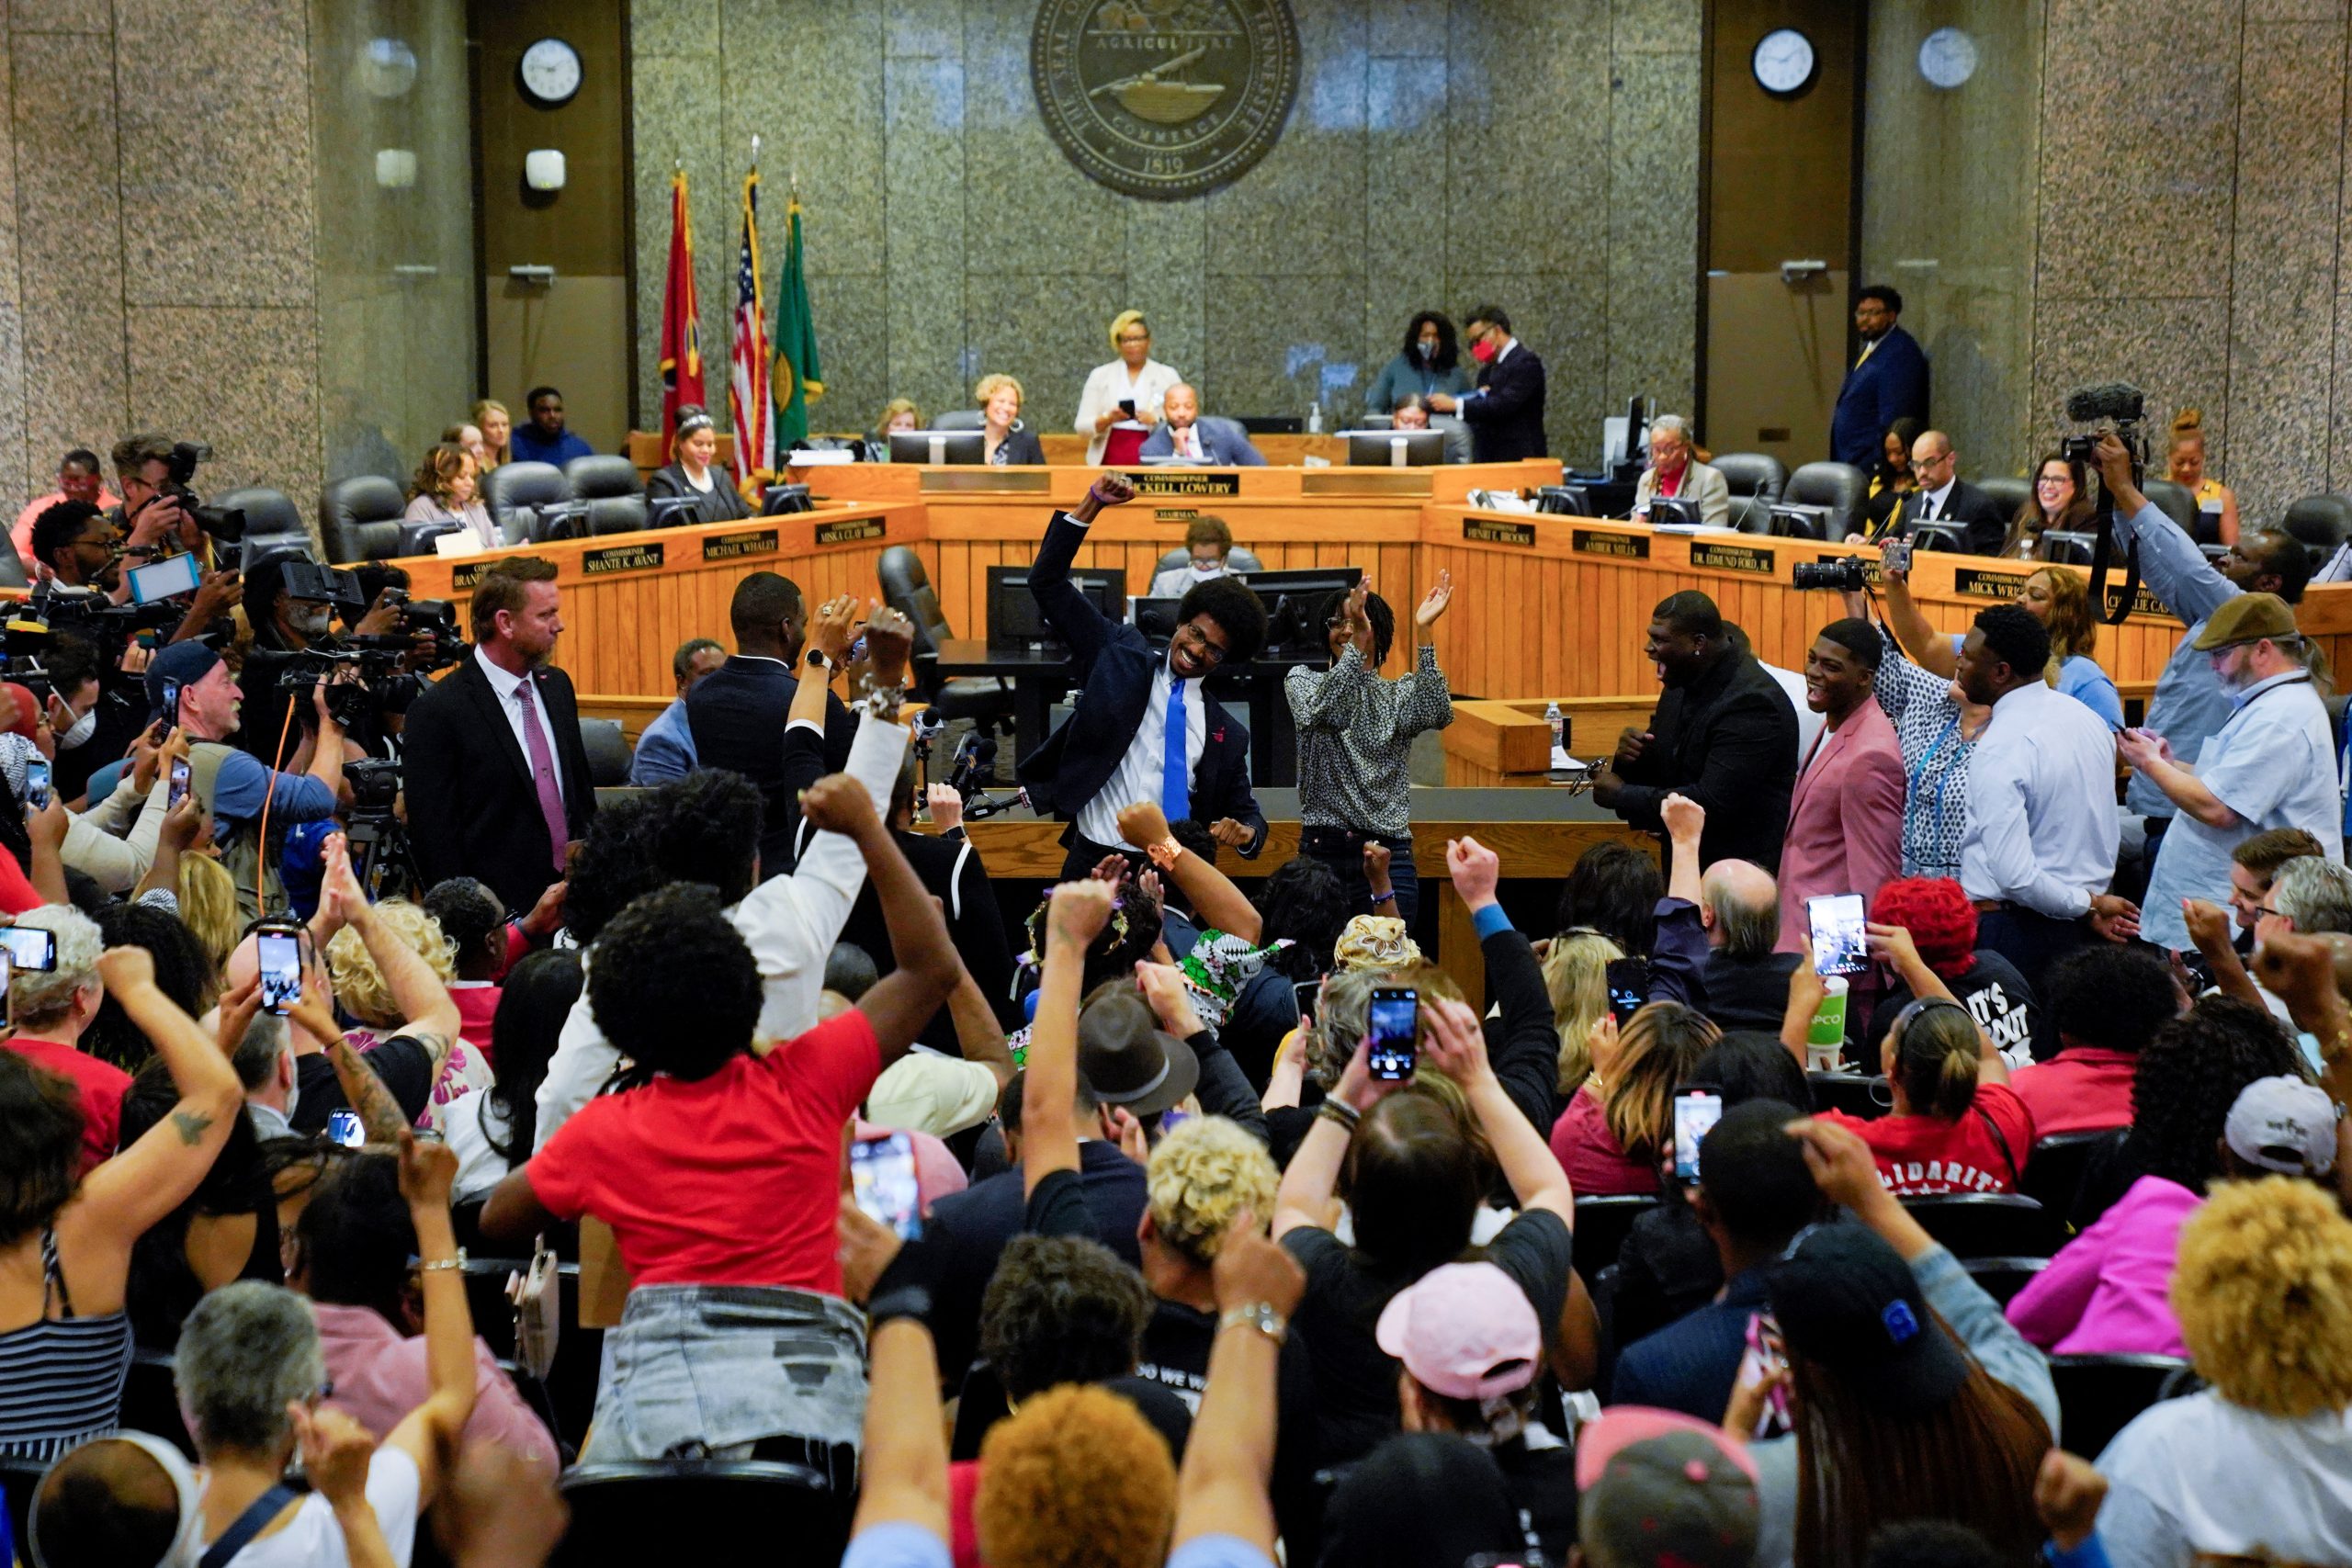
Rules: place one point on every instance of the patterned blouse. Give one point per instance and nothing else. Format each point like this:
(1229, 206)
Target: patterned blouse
(1934, 762)
(1355, 734)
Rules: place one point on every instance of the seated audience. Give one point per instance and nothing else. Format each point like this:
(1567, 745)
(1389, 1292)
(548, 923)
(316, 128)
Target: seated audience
(665, 749)
(77, 479)
(1955, 1125)
(2256, 1466)
(1612, 891)
(448, 488)
(493, 1130)
(497, 427)
(49, 1010)
(1209, 541)
(544, 438)
(1202, 1178)
(1426, 1497)
(1575, 976)
(2217, 508)
(1657, 1491)
(2061, 502)
(68, 1228)
(1746, 979)
(1185, 436)
(1942, 924)
(1004, 439)
(1676, 473)
(1618, 1127)
(692, 472)
(2106, 1292)
(2253, 867)
(2105, 1003)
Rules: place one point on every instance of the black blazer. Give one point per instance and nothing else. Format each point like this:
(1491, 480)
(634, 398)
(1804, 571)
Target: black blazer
(722, 503)
(1114, 668)
(1022, 447)
(473, 810)
(1979, 514)
(1507, 419)
(951, 872)
(1729, 741)
(737, 714)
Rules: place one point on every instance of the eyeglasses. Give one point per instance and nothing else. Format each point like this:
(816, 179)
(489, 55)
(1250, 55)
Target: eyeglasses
(2053, 481)
(1207, 649)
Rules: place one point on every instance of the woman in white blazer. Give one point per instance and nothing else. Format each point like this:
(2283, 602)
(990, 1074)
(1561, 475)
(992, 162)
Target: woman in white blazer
(1134, 376)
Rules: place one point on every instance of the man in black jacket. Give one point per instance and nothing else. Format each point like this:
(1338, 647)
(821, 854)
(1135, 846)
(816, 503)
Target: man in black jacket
(1722, 734)
(1747, 982)
(1113, 750)
(1506, 412)
(1944, 497)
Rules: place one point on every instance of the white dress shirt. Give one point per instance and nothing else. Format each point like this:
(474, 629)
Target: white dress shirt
(790, 922)
(1932, 503)
(504, 685)
(1108, 385)
(1137, 776)
(2042, 826)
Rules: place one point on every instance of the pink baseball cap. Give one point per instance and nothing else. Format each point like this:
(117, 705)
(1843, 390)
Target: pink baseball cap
(1464, 1330)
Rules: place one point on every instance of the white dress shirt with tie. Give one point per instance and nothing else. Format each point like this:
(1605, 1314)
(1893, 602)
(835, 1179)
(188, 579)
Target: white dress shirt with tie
(1138, 777)
(505, 686)
(1932, 504)
(2042, 825)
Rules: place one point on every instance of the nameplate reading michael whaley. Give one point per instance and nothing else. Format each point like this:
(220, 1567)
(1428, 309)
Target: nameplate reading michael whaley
(1493, 531)
(849, 530)
(735, 546)
(621, 558)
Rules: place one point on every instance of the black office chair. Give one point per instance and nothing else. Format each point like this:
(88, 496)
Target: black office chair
(1988, 1225)
(2003, 1278)
(12, 570)
(359, 519)
(1750, 514)
(1839, 487)
(1852, 1093)
(2011, 491)
(515, 492)
(627, 1514)
(2175, 501)
(1602, 1224)
(961, 419)
(1758, 475)
(2098, 1395)
(2321, 522)
(985, 700)
(607, 484)
(2054, 1172)
(608, 752)
(150, 1402)
(273, 523)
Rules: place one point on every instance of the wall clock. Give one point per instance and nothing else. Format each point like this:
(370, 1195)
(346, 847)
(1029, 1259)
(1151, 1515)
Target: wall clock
(1947, 56)
(549, 72)
(1783, 61)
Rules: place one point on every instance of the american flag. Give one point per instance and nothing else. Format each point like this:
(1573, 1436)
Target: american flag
(747, 388)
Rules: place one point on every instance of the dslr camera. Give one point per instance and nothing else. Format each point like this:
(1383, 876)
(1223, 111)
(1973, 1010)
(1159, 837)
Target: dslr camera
(1843, 575)
(226, 524)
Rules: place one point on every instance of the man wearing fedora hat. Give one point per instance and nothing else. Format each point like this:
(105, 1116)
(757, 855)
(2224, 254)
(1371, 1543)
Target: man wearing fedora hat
(2271, 766)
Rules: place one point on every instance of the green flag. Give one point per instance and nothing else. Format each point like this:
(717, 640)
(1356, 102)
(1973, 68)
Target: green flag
(798, 379)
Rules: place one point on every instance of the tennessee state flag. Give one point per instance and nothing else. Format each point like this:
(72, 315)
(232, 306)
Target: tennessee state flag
(682, 380)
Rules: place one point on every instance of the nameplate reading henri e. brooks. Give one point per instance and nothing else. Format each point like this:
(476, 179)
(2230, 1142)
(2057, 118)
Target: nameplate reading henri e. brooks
(735, 546)
(621, 558)
(1494, 531)
(850, 530)
(1164, 98)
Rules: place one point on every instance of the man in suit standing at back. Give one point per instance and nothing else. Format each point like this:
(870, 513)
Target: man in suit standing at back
(497, 776)
(1888, 381)
(1506, 412)
(1115, 749)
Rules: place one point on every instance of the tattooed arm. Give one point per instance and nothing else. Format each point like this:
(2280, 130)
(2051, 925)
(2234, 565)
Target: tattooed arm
(369, 1096)
(148, 1180)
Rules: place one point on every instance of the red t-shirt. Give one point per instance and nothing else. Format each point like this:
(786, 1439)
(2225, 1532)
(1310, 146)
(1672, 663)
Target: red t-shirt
(101, 1085)
(1918, 1155)
(1597, 1168)
(733, 1179)
(2083, 1088)
(477, 1006)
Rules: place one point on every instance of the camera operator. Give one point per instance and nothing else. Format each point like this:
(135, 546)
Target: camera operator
(79, 545)
(232, 784)
(151, 516)
(286, 624)
(2190, 703)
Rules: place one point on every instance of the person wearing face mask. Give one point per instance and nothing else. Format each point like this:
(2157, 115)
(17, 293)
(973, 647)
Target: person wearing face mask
(1430, 361)
(1505, 411)
(1209, 542)
(2271, 766)
(283, 626)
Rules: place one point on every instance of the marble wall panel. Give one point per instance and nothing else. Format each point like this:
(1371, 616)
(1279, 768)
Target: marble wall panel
(1302, 208)
(2339, 430)
(1527, 130)
(690, 28)
(1407, 26)
(1652, 312)
(853, 315)
(923, 227)
(193, 368)
(1168, 244)
(2176, 350)
(17, 468)
(1279, 342)
(1563, 317)
(676, 105)
(85, 16)
(1047, 331)
(1656, 26)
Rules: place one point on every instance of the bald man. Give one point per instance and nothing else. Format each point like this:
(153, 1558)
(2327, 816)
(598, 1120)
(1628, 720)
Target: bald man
(1184, 435)
(1944, 497)
(1747, 982)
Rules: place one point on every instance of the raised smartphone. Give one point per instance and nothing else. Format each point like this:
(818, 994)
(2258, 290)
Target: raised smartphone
(1697, 1108)
(1838, 945)
(1394, 1032)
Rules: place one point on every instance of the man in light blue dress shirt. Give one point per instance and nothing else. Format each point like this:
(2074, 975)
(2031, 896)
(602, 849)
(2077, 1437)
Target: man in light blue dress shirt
(666, 749)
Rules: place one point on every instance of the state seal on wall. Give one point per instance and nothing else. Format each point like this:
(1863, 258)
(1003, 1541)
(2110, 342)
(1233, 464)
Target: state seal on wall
(1164, 98)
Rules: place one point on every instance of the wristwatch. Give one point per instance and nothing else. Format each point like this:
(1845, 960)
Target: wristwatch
(1259, 1316)
(817, 659)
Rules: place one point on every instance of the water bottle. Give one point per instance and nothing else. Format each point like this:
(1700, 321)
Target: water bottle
(1559, 723)
(1315, 419)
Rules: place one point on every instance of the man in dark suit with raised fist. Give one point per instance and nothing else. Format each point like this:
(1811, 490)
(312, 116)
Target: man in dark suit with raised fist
(1505, 414)
(1115, 749)
(496, 774)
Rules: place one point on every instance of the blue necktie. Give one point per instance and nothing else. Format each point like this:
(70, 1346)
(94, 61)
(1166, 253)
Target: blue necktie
(1175, 793)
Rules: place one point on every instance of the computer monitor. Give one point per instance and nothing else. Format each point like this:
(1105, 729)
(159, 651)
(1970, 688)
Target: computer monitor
(1015, 620)
(670, 511)
(1155, 619)
(1396, 448)
(1673, 512)
(965, 446)
(1292, 598)
(778, 500)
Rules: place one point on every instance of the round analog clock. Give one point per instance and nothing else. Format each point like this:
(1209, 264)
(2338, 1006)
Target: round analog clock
(1947, 56)
(1783, 61)
(551, 72)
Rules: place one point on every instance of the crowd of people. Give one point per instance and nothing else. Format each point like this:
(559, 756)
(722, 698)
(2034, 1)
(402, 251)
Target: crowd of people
(1172, 1222)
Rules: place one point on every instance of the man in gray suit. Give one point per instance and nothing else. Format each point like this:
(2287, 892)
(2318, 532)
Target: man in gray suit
(1183, 434)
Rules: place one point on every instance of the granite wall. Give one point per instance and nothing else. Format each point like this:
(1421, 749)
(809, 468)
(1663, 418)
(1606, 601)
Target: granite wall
(1539, 154)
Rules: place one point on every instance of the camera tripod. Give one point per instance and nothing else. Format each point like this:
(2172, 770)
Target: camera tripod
(380, 857)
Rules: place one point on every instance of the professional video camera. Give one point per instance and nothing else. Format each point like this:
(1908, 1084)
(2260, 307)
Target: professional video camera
(380, 857)
(378, 661)
(87, 614)
(226, 524)
(2120, 407)
(1843, 575)
(421, 619)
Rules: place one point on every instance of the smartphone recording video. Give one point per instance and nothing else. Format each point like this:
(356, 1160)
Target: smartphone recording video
(30, 947)
(282, 970)
(1628, 980)
(37, 783)
(179, 784)
(1838, 945)
(882, 1182)
(1304, 992)
(1696, 1111)
(170, 713)
(1394, 1032)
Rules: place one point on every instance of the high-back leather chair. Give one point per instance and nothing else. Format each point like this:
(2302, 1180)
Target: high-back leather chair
(960, 419)
(906, 588)
(273, 523)
(1756, 474)
(1839, 486)
(514, 493)
(359, 519)
(2174, 501)
(1236, 560)
(2321, 522)
(607, 483)
(2011, 491)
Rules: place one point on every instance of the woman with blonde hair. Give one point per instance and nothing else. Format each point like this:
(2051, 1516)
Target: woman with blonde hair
(1128, 388)
(2185, 466)
(447, 489)
(2057, 596)
(898, 415)
(1576, 972)
(1620, 1125)
(360, 991)
(1006, 440)
(490, 417)
(209, 907)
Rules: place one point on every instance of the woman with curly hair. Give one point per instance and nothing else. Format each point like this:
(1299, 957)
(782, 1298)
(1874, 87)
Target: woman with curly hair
(2057, 596)
(2258, 1466)
(448, 488)
(2060, 502)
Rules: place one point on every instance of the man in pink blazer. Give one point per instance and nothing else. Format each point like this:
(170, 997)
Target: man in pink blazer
(1845, 815)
